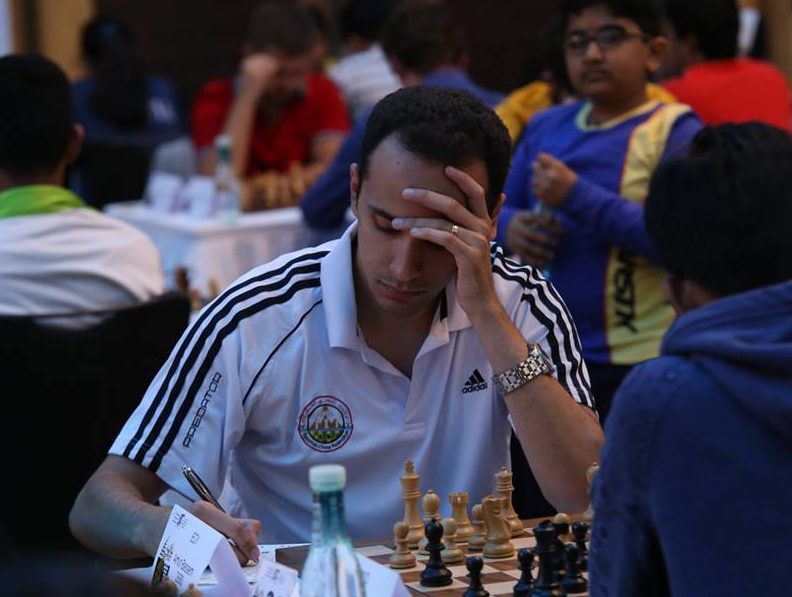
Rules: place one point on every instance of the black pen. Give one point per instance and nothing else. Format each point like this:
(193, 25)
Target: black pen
(206, 495)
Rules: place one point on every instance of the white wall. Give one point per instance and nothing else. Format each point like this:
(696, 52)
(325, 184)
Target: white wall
(6, 39)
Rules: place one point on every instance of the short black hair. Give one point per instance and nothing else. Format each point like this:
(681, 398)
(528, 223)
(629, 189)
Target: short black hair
(282, 25)
(721, 215)
(36, 104)
(645, 13)
(714, 25)
(365, 18)
(444, 126)
(423, 36)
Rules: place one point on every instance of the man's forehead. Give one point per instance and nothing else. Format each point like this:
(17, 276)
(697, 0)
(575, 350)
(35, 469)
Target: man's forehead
(597, 15)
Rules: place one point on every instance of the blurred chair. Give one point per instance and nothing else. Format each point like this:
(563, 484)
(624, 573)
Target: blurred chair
(65, 395)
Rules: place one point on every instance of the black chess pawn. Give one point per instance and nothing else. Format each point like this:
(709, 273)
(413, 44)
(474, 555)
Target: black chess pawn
(561, 529)
(474, 565)
(435, 574)
(523, 586)
(546, 584)
(580, 531)
(573, 582)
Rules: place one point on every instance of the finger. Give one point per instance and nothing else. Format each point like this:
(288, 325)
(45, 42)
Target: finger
(461, 245)
(545, 160)
(477, 196)
(436, 223)
(448, 206)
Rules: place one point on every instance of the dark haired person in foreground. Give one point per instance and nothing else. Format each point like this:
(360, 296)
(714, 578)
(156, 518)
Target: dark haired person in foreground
(691, 497)
(57, 255)
(361, 352)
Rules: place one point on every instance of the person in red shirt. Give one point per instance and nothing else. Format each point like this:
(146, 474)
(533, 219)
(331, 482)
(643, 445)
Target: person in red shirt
(278, 112)
(719, 86)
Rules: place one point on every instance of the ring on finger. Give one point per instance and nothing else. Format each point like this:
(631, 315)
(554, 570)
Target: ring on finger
(454, 229)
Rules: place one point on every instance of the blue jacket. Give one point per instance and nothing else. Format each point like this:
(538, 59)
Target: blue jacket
(693, 496)
(326, 202)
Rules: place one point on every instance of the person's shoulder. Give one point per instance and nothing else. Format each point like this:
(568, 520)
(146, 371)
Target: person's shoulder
(220, 88)
(557, 116)
(652, 387)
(764, 69)
(512, 278)
(321, 84)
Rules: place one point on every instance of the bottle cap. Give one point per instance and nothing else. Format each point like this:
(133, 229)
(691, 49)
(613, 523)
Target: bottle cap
(222, 141)
(327, 477)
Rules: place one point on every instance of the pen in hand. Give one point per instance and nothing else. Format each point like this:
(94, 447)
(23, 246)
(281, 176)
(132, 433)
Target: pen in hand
(205, 494)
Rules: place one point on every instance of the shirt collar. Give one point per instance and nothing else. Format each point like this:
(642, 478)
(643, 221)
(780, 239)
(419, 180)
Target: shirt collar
(31, 200)
(338, 295)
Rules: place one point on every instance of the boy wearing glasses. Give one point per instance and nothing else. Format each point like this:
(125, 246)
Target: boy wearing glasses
(578, 180)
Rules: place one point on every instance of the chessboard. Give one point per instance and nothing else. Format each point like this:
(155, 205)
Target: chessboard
(498, 576)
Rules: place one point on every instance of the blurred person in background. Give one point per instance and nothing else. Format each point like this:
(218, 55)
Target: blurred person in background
(286, 122)
(708, 75)
(425, 46)
(119, 104)
(364, 74)
(57, 255)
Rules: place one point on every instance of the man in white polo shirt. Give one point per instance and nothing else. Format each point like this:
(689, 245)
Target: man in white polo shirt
(411, 337)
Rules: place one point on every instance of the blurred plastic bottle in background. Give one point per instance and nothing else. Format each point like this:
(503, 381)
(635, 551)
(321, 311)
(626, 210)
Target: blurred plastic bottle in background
(227, 186)
(331, 568)
(543, 210)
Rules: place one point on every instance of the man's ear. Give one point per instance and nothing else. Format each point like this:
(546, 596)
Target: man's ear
(495, 213)
(75, 144)
(354, 187)
(657, 47)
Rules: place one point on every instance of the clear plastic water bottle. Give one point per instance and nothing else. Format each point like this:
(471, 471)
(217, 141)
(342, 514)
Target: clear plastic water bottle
(331, 568)
(543, 210)
(227, 186)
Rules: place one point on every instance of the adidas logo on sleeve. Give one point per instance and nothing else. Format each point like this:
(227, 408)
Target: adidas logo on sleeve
(475, 383)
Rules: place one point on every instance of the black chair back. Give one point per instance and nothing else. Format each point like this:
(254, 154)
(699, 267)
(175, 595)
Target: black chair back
(65, 394)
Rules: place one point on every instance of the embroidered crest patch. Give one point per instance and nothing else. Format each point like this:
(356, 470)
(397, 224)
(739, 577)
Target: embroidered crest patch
(325, 424)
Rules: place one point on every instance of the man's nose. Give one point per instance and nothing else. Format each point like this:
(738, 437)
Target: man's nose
(407, 259)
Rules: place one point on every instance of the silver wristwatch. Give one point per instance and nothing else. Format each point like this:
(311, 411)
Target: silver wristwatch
(534, 365)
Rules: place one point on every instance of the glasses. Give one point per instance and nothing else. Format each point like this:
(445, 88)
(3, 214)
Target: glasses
(606, 38)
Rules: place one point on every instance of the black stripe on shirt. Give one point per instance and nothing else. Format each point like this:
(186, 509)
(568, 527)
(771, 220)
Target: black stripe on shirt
(549, 299)
(206, 364)
(216, 311)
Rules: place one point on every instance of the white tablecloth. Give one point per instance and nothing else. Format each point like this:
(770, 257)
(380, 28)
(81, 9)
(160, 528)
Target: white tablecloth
(215, 253)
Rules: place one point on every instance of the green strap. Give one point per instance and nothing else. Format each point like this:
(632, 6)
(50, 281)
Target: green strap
(34, 200)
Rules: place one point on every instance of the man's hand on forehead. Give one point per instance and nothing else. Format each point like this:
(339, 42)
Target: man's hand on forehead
(464, 232)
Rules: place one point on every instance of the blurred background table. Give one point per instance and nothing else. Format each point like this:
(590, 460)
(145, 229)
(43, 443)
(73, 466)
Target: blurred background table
(214, 252)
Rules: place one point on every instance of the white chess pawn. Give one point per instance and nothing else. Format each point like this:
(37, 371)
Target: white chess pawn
(479, 536)
(431, 509)
(402, 557)
(452, 554)
(588, 515)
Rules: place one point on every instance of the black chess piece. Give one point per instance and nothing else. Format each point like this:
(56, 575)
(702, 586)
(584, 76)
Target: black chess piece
(435, 574)
(580, 531)
(474, 565)
(573, 582)
(523, 586)
(560, 529)
(546, 584)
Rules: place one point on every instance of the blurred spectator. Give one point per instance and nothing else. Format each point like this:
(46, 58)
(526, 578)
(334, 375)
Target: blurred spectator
(425, 46)
(575, 192)
(554, 87)
(281, 116)
(364, 74)
(119, 103)
(56, 254)
(717, 84)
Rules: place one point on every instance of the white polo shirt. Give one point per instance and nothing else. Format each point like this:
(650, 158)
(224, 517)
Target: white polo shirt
(276, 371)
